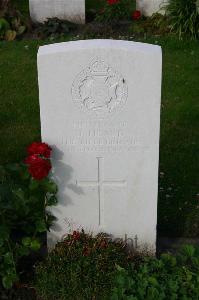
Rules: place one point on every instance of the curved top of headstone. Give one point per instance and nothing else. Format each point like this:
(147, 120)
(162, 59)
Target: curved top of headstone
(96, 44)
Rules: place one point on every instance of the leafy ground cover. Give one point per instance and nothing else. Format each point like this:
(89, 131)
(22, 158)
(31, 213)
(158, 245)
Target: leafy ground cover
(178, 209)
(82, 267)
(86, 267)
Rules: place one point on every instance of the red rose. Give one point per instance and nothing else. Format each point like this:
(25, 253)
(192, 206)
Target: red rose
(31, 159)
(76, 235)
(136, 15)
(111, 2)
(39, 148)
(38, 167)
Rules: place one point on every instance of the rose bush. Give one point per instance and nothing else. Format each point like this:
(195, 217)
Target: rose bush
(25, 193)
(116, 11)
(136, 15)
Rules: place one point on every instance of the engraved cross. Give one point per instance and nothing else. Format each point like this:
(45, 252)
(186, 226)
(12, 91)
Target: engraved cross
(100, 184)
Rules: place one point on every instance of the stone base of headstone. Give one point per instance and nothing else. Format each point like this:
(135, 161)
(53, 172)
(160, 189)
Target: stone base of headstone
(149, 7)
(73, 11)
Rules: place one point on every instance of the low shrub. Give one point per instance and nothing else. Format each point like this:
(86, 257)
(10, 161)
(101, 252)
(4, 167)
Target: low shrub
(55, 28)
(170, 277)
(80, 267)
(25, 192)
(83, 267)
(116, 11)
(12, 22)
(184, 17)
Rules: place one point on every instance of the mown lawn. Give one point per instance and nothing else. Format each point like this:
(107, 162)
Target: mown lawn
(178, 210)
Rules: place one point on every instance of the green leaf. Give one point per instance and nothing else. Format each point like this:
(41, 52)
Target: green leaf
(197, 6)
(23, 251)
(24, 173)
(26, 241)
(19, 193)
(8, 258)
(7, 282)
(21, 30)
(35, 245)
(10, 35)
(153, 281)
(15, 23)
(118, 268)
(131, 298)
(41, 226)
(50, 186)
(114, 296)
(4, 25)
(50, 219)
(34, 184)
(188, 250)
(13, 167)
(52, 200)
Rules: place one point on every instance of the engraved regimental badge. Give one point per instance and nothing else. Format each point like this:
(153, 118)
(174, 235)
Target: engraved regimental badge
(99, 90)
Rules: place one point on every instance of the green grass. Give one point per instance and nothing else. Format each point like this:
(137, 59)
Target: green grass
(19, 117)
(178, 211)
(179, 160)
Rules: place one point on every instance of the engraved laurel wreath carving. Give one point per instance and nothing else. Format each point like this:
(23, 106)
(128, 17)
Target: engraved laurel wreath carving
(99, 90)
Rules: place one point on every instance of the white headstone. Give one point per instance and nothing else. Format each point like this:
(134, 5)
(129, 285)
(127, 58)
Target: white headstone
(149, 7)
(100, 110)
(71, 10)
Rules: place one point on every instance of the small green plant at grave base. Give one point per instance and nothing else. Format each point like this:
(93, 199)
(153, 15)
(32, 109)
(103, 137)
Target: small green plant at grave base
(184, 17)
(80, 267)
(170, 277)
(115, 11)
(55, 28)
(12, 23)
(25, 192)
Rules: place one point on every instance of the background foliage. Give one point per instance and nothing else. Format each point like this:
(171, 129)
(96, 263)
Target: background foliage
(184, 17)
